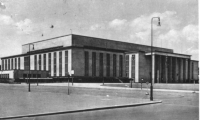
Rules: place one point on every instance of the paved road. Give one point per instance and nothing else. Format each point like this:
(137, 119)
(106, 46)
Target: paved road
(150, 112)
(175, 106)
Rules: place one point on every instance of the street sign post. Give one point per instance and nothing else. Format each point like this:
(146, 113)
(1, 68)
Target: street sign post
(68, 84)
(72, 72)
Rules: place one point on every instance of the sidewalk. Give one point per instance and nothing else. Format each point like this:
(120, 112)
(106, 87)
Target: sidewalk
(100, 85)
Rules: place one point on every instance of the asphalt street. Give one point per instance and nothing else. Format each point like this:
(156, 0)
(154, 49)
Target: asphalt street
(150, 112)
(175, 105)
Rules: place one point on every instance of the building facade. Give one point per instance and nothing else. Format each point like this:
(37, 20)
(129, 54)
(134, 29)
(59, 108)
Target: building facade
(91, 57)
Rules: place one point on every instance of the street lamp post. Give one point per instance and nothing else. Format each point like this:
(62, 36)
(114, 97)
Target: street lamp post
(151, 87)
(29, 75)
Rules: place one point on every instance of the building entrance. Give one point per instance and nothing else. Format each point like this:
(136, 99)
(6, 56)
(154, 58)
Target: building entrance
(132, 66)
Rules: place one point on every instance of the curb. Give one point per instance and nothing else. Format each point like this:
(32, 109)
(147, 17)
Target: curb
(127, 88)
(83, 110)
(138, 89)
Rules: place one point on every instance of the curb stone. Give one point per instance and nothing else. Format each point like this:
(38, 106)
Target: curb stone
(83, 110)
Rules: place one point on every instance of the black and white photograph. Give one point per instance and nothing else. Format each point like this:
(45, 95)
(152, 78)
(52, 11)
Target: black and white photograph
(99, 60)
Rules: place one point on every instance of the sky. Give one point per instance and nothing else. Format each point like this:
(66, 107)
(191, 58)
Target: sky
(25, 21)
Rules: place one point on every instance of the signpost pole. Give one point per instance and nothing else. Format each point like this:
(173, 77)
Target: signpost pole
(68, 84)
(72, 72)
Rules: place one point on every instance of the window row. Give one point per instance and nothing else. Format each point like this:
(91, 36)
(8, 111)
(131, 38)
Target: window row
(47, 58)
(10, 64)
(104, 63)
(4, 76)
(14, 63)
(32, 75)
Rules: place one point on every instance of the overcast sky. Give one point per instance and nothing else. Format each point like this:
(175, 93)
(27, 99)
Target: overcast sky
(24, 21)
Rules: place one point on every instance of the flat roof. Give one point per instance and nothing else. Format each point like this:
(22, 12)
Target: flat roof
(169, 54)
(47, 39)
(61, 47)
(121, 41)
(95, 38)
(18, 55)
(36, 51)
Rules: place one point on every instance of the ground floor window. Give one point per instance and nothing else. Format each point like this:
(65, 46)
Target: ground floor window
(108, 65)
(120, 66)
(101, 64)
(93, 64)
(54, 63)
(86, 63)
(114, 65)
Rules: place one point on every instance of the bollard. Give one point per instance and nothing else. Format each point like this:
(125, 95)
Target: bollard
(131, 83)
(194, 87)
(68, 86)
(141, 83)
(72, 81)
(147, 93)
(37, 81)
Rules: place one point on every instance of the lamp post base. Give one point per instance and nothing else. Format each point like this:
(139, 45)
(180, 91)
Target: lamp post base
(151, 95)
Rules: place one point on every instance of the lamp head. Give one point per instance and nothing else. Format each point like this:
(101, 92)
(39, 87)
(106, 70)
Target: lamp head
(159, 21)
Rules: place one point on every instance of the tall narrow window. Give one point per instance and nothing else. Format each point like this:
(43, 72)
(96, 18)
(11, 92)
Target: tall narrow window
(19, 63)
(66, 63)
(127, 65)
(108, 65)
(29, 64)
(3, 65)
(26, 63)
(120, 66)
(40, 62)
(192, 70)
(114, 65)
(133, 66)
(54, 67)
(101, 64)
(35, 62)
(60, 63)
(8, 64)
(86, 63)
(49, 66)
(6, 61)
(15, 63)
(11, 63)
(44, 61)
(93, 64)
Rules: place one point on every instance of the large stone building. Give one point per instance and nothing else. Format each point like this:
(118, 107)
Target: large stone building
(90, 57)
